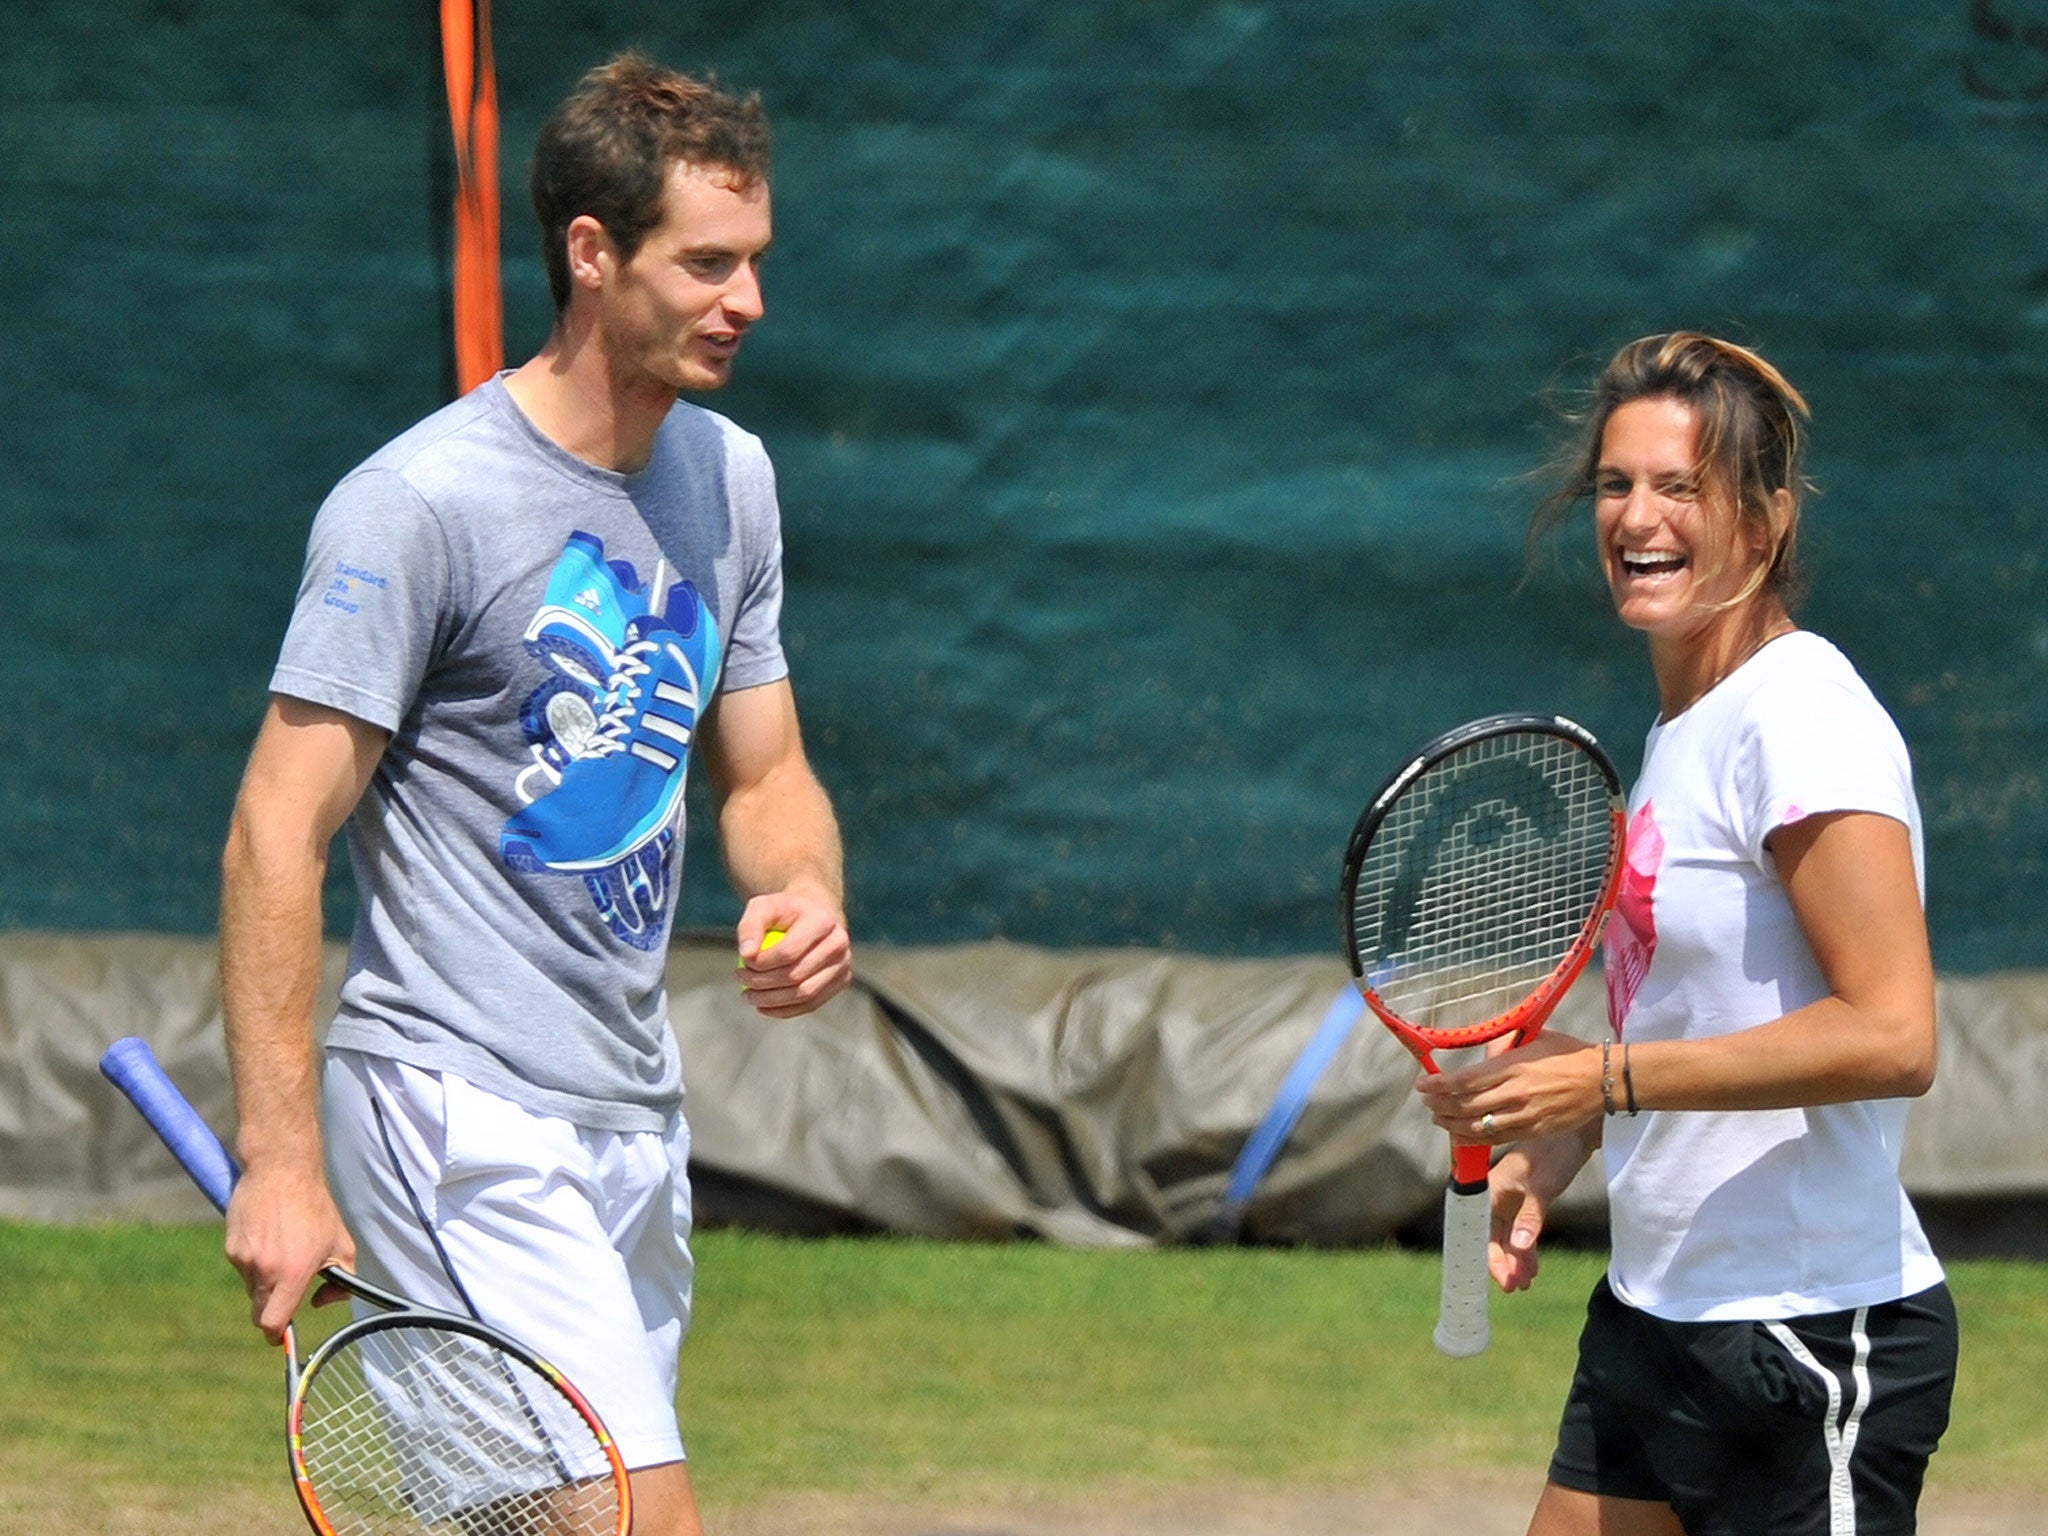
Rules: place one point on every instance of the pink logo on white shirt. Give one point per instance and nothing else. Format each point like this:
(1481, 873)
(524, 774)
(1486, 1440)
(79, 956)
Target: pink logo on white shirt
(1631, 938)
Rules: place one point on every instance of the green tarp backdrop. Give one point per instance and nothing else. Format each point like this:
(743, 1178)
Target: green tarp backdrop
(1148, 383)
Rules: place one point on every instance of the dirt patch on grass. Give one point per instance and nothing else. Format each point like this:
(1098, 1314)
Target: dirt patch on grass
(1489, 1506)
(1209, 1511)
(84, 1509)
(1492, 1506)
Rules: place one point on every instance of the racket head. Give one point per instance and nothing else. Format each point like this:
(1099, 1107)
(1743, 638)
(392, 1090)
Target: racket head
(420, 1422)
(1478, 878)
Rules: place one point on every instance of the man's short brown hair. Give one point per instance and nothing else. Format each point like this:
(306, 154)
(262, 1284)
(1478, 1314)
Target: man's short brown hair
(607, 151)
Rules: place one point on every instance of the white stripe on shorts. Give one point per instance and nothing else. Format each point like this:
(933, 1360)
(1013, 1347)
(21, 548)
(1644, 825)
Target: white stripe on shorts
(1840, 1431)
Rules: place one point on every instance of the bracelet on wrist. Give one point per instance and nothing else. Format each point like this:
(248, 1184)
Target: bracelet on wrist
(1628, 1082)
(1607, 1074)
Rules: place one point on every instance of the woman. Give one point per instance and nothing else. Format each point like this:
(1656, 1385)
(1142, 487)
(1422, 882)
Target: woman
(1772, 1348)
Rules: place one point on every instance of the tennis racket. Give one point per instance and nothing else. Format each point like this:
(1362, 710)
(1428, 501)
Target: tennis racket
(409, 1420)
(1475, 887)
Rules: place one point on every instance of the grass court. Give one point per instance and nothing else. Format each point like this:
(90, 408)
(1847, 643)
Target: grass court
(134, 1395)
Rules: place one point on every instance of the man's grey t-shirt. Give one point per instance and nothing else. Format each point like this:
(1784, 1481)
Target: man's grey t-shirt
(540, 637)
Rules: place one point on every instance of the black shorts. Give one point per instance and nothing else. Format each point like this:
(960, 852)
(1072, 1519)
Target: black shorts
(1807, 1427)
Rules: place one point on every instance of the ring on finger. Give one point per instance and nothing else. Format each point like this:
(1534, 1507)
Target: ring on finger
(1486, 1123)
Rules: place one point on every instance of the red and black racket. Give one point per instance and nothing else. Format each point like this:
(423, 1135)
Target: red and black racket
(1475, 887)
(412, 1422)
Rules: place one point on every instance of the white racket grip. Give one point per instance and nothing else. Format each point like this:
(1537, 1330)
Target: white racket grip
(1461, 1328)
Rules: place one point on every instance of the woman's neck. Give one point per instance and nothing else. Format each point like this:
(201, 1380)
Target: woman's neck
(1690, 666)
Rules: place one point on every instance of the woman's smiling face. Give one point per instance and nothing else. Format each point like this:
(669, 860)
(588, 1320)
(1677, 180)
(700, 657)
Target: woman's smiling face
(1669, 547)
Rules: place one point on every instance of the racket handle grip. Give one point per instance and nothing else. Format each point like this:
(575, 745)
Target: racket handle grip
(1461, 1328)
(132, 1067)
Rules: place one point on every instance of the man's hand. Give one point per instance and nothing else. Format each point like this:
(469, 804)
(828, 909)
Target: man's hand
(813, 961)
(283, 1229)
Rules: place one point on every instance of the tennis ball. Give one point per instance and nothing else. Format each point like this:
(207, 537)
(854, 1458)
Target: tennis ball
(769, 940)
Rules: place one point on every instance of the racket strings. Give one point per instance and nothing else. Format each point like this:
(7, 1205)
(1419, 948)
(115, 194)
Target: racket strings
(422, 1429)
(1481, 878)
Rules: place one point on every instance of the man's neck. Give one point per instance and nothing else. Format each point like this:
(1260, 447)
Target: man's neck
(573, 394)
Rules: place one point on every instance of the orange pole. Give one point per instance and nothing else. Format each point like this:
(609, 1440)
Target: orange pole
(473, 116)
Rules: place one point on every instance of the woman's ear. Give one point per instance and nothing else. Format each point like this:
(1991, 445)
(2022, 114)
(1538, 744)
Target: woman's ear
(1782, 506)
(1779, 514)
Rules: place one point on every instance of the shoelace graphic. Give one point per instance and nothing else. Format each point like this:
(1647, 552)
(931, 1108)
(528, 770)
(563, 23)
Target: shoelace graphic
(621, 700)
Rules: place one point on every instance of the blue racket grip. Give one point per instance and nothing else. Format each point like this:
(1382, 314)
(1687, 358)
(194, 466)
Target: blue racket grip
(131, 1066)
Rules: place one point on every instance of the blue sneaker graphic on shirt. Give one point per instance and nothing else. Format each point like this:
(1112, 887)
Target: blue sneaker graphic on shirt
(578, 630)
(627, 778)
(610, 731)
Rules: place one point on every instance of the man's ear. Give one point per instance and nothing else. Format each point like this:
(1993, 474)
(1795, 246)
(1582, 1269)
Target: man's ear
(593, 259)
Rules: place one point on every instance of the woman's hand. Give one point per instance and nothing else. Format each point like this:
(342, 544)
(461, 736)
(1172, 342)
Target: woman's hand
(1550, 1085)
(1525, 1181)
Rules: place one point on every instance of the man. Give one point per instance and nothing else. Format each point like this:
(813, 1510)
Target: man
(516, 621)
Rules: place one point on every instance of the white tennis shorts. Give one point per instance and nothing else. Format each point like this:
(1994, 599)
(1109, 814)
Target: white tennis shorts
(576, 1242)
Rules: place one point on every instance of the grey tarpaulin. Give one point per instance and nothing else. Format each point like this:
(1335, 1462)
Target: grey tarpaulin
(972, 1091)
(1088, 1097)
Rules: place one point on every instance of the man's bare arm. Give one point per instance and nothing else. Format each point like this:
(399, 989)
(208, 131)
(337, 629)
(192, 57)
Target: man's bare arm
(309, 767)
(782, 851)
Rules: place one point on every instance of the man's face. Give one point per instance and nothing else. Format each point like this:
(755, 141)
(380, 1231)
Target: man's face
(673, 316)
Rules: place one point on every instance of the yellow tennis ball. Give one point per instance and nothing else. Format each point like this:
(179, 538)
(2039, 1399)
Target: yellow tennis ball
(769, 940)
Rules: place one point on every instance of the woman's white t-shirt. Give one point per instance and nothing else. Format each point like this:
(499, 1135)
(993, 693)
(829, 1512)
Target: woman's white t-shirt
(1751, 1213)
